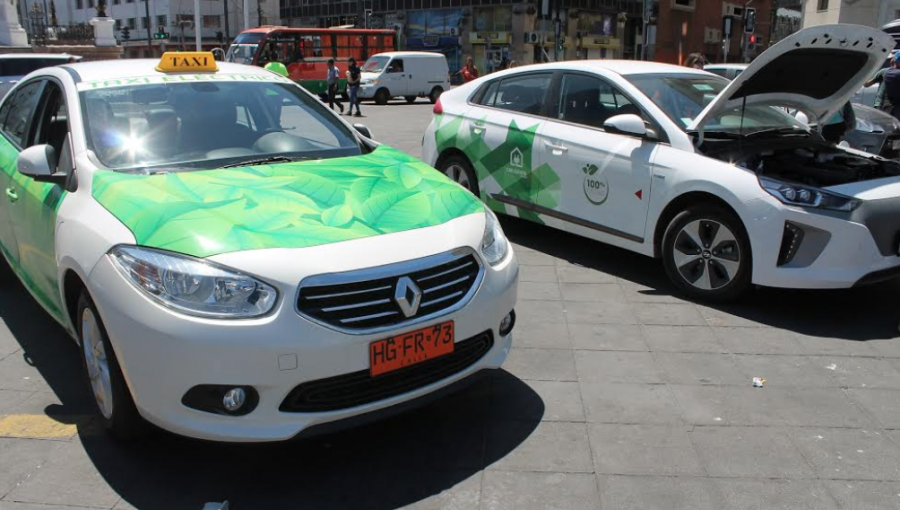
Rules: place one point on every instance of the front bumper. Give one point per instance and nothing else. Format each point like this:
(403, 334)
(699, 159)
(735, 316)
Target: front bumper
(164, 354)
(367, 91)
(848, 256)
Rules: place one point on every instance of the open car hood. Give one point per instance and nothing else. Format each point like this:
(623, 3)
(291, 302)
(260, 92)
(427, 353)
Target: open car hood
(816, 70)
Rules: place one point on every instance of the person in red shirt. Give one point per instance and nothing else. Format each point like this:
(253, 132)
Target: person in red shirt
(469, 72)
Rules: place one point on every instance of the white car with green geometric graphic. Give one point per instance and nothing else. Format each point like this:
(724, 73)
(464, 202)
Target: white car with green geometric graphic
(237, 262)
(675, 163)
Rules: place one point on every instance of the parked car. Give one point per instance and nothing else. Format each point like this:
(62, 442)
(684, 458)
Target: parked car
(683, 165)
(876, 132)
(407, 74)
(14, 66)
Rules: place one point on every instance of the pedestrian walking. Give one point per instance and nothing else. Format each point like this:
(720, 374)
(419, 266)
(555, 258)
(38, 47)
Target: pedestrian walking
(354, 75)
(695, 60)
(469, 71)
(332, 80)
(891, 101)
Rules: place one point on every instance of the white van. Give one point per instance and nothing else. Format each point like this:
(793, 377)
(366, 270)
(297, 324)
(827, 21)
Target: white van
(408, 74)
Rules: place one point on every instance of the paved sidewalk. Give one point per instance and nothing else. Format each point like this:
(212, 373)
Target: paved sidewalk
(617, 395)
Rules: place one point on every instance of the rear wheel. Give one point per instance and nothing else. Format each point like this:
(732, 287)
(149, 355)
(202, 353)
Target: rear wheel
(117, 410)
(410, 99)
(382, 96)
(706, 253)
(435, 94)
(458, 168)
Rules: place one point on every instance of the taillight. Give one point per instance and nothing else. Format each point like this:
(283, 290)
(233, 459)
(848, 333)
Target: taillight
(438, 109)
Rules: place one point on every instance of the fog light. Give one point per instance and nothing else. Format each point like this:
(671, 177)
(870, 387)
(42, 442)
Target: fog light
(506, 325)
(234, 399)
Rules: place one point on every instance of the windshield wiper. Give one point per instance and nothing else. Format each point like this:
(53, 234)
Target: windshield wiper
(716, 135)
(262, 161)
(779, 131)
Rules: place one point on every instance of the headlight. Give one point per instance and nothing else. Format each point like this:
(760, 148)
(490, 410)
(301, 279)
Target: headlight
(807, 196)
(494, 245)
(193, 286)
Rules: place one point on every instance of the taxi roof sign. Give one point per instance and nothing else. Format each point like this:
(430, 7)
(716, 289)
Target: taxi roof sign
(187, 61)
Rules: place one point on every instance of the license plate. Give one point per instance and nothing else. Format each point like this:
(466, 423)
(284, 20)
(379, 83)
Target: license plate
(400, 351)
(895, 144)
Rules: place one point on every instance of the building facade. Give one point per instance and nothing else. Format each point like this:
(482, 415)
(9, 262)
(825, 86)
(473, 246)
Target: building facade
(177, 16)
(873, 13)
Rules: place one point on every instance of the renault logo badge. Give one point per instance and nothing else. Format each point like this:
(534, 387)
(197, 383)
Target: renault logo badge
(408, 296)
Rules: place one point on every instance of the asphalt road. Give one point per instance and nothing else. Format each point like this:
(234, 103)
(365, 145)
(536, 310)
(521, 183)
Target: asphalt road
(617, 395)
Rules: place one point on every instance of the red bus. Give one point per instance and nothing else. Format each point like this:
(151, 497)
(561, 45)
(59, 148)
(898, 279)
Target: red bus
(305, 51)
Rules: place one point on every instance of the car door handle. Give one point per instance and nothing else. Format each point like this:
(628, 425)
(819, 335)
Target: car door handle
(557, 149)
(11, 195)
(478, 128)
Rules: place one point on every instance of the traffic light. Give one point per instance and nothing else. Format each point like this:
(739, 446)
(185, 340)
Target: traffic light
(752, 39)
(126, 33)
(750, 20)
(160, 34)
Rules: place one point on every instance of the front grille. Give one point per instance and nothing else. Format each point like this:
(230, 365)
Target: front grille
(366, 299)
(359, 388)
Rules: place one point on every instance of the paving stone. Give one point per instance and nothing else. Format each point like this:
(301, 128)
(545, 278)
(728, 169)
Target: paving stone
(10, 398)
(668, 314)
(541, 364)
(860, 372)
(616, 367)
(20, 459)
(856, 495)
(834, 346)
(636, 293)
(606, 312)
(550, 446)
(535, 258)
(663, 492)
(888, 348)
(571, 274)
(551, 401)
(537, 274)
(594, 292)
(774, 495)
(539, 291)
(744, 340)
(790, 371)
(629, 403)
(504, 490)
(882, 405)
(696, 368)
(683, 339)
(717, 317)
(530, 312)
(643, 450)
(751, 452)
(462, 495)
(849, 454)
(607, 337)
(9, 505)
(16, 374)
(544, 334)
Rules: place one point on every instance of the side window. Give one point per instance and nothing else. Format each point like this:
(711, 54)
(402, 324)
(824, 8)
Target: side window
(525, 94)
(720, 72)
(589, 101)
(490, 95)
(21, 110)
(53, 125)
(396, 66)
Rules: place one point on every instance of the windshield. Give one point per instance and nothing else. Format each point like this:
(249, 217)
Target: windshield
(209, 124)
(683, 96)
(375, 64)
(244, 48)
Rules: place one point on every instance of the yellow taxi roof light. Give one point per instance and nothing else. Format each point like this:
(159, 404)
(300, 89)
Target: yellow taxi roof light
(187, 61)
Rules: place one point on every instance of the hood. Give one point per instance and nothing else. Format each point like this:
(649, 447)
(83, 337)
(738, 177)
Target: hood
(289, 205)
(816, 70)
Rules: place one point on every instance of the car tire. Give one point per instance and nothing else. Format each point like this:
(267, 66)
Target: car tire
(435, 94)
(458, 169)
(382, 96)
(105, 381)
(706, 254)
(410, 99)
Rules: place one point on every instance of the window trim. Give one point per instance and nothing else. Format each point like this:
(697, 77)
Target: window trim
(551, 89)
(661, 135)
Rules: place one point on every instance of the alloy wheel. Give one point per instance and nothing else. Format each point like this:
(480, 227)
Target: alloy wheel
(459, 175)
(97, 363)
(707, 254)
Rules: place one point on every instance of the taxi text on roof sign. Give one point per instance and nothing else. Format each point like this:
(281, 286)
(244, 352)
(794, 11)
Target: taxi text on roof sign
(187, 61)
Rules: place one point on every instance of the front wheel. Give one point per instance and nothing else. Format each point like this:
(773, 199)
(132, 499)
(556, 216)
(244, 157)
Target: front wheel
(460, 171)
(706, 253)
(117, 410)
(435, 94)
(382, 96)
(410, 99)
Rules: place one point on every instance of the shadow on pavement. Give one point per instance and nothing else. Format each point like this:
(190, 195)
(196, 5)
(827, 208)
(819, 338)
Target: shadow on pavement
(865, 313)
(387, 464)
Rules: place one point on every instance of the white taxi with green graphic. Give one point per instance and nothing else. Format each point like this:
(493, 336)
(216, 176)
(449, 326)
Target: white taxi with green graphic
(236, 262)
(709, 175)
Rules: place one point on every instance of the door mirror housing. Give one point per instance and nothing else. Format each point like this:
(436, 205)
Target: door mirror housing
(363, 130)
(627, 124)
(39, 162)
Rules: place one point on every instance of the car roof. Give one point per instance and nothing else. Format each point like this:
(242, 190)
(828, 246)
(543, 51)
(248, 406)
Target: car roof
(117, 69)
(60, 56)
(725, 66)
(410, 54)
(622, 67)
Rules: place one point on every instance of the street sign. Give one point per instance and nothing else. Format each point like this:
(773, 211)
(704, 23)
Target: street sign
(727, 24)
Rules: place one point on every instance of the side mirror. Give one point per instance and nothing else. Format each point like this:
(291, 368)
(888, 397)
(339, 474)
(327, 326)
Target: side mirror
(37, 162)
(628, 124)
(363, 130)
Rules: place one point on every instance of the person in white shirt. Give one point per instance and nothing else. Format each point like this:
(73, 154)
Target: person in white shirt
(334, 75)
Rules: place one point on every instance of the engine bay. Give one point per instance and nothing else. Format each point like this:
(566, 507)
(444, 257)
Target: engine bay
(804, 161)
